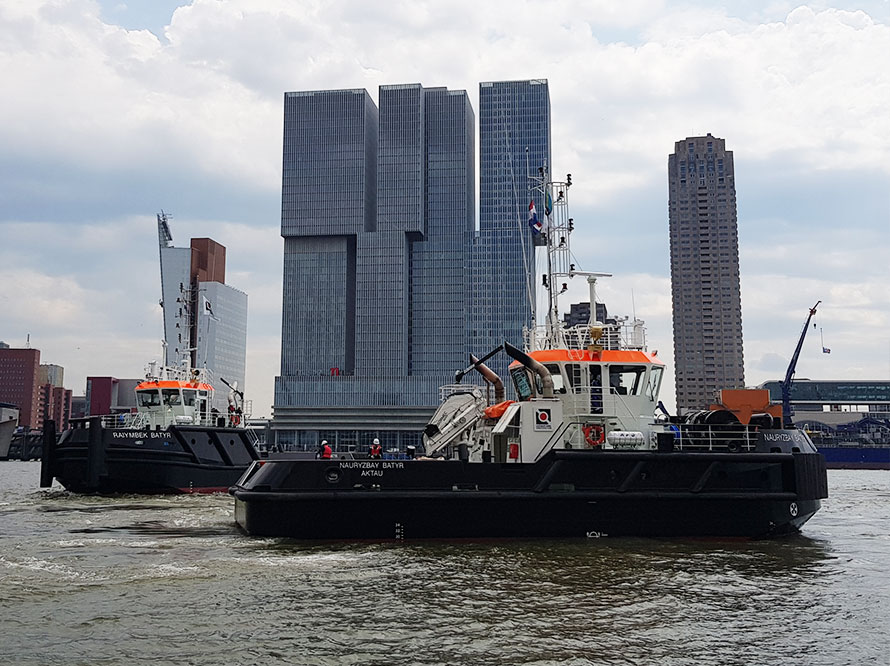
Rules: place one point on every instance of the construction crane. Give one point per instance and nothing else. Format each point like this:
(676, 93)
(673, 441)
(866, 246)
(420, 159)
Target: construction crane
(789, 375)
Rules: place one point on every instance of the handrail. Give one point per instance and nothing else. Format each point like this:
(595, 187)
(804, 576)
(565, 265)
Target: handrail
(146, 420)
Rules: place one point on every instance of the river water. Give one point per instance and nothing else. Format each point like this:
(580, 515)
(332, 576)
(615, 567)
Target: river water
(170, 580)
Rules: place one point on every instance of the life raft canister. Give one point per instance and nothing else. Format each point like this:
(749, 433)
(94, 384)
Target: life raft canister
(594, 435)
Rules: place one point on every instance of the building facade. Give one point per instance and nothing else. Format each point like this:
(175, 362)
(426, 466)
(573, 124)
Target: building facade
(55, 405)
(54, 400)
(377, 213)
(205, 320)
(834, 401)
(840, 412)
(705, 284)
(514, 142)
(19, 383)
(579, 314)
(50, 373)
(110, 395)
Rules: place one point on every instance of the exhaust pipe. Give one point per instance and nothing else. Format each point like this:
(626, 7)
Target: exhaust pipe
(491, 377)
(532, 364)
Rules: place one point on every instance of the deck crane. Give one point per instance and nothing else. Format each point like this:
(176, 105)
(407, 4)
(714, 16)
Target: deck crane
(789, 375)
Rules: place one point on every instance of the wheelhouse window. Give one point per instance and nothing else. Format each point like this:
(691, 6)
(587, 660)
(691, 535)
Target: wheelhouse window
(654, 382)
(556, 374)
(172, 397)
(148, 398)
(626, 379)
(189, 396)
(573, 375)
(521, 383)
(596, 388)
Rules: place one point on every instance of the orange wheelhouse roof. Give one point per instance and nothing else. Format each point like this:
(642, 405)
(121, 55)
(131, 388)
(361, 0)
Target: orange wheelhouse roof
(167, 383)
(585, 356)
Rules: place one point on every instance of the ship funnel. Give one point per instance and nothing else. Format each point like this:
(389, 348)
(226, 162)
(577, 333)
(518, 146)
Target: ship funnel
(532, 364)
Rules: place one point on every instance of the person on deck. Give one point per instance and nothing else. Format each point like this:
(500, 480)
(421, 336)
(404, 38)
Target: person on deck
(324, 450)
(376, 451)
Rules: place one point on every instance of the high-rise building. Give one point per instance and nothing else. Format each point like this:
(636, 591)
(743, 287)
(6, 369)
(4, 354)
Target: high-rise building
(55, 405)
(377, 212)
(51, 374)
(205, 320)
(514, 143)
(54, 400)
(579, 314)
(705, 283)
(19, 374)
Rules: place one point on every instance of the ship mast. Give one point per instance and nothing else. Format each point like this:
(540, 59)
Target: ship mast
(557, 231)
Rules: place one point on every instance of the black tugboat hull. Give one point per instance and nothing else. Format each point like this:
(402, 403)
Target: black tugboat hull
(518, 516)
(565, 495)
(176, 459)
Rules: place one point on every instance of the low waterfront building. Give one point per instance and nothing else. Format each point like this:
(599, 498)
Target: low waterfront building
(841, 410)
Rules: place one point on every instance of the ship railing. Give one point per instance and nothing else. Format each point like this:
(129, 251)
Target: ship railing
(132, 421)
(705, 437)
(182, 373)
(623, 334)
(146, 420)
(252, 438)
(691, 438)
(450, 389)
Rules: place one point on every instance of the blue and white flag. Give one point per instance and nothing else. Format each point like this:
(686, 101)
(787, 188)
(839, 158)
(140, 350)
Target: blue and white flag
(533, 221)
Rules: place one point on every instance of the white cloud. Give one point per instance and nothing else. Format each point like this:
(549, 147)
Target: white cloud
(211, 96)
(98, 95)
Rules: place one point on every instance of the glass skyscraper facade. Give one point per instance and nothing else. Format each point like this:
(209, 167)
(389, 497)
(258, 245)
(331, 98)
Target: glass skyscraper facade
(377, 214)
(705, 283)
(514, 138)
(221, 331)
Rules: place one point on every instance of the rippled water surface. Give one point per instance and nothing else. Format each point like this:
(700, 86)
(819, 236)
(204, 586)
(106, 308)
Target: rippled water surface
(170, 580)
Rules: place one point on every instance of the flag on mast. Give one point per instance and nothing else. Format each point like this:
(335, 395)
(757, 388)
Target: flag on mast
(208, 310)
(533, 221)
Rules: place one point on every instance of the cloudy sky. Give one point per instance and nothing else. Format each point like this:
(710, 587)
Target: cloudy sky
(115, 110)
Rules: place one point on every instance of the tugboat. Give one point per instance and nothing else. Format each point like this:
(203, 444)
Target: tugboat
(585, 450)
(173, 443)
